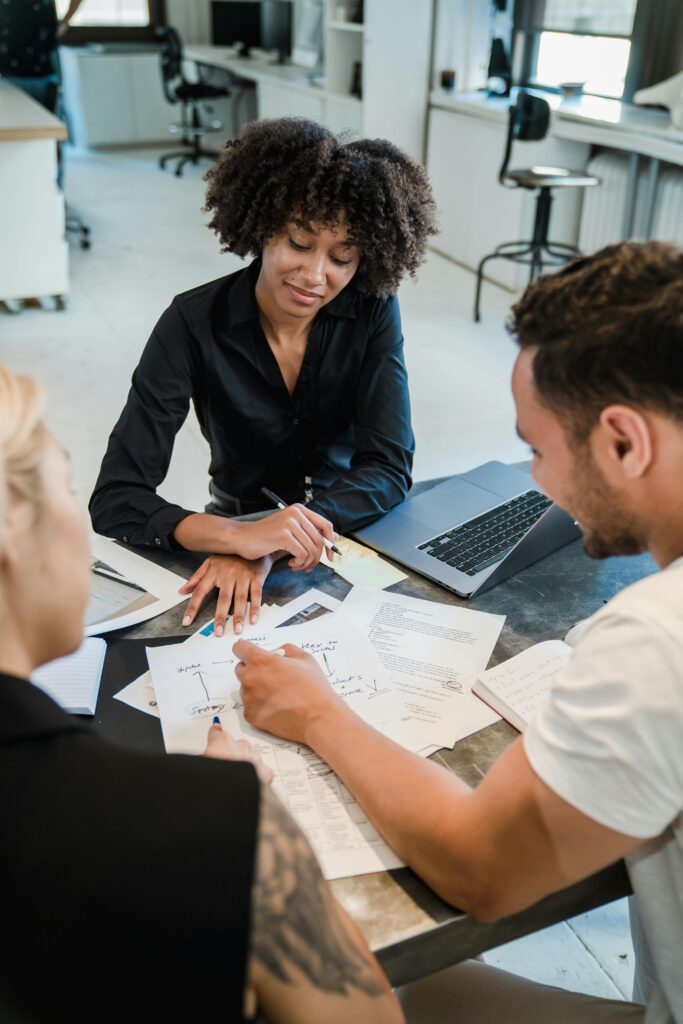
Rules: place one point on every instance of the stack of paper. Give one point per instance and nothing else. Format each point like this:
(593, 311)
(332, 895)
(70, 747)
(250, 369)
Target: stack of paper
(404, 665)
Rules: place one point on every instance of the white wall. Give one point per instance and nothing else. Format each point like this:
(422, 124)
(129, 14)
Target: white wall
(462, 40)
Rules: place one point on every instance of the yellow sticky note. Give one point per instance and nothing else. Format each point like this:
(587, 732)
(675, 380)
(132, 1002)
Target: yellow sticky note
(372, 571)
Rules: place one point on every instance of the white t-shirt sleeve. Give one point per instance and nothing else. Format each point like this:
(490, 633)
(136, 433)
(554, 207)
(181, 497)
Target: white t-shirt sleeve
(609, 740)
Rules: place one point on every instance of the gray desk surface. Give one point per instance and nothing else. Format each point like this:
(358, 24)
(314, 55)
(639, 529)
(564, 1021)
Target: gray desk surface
(412, 931)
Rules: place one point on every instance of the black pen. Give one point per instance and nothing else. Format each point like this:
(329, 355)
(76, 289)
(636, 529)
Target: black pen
(279, 503)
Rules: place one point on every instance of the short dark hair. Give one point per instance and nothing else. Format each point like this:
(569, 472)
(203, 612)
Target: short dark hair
(280, 166)
(608, 328)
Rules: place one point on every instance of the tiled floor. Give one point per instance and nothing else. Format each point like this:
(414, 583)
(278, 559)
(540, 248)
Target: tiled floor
(149, 243)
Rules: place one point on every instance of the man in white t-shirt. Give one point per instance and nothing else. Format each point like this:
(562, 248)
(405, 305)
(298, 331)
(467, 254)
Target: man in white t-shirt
(598, 386)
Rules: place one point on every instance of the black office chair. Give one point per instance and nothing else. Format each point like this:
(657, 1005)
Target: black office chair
(528, 121)
(189, 94)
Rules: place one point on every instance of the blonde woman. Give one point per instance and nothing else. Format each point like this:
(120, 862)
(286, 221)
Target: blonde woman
(137, 886)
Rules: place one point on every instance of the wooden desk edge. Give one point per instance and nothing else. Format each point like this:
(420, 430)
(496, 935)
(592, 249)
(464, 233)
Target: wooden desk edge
(58, 132)
(405, 961)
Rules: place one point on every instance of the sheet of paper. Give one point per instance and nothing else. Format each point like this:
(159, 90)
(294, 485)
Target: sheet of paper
(140, 693)
(126, 588)
(306, 608)
(524, 682)
(74, 681)
(432, 652)
(361, 566)
(196, 681)
(344, 841)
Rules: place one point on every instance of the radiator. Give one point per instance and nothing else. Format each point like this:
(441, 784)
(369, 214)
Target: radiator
(667, 220)
(602, 214)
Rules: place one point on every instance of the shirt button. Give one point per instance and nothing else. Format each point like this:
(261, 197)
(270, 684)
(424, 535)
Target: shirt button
(157, 541)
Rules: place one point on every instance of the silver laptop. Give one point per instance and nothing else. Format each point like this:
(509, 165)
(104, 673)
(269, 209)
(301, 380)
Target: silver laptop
(473, 530)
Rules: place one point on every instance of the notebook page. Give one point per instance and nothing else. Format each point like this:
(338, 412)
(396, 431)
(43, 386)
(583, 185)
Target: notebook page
(523, 683)
(74, 682)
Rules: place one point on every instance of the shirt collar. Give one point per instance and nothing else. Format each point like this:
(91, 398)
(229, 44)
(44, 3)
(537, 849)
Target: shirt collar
(28, 713)
(242, 305)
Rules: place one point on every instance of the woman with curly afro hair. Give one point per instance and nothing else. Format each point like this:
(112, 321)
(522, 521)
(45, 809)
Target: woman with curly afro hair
(294, 364)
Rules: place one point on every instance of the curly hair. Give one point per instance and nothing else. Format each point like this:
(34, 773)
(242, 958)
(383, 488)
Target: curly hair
(285, 165)
(608, 329)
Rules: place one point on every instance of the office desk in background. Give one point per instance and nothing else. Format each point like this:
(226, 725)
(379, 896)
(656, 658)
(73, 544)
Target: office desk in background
(34, 252)
(283, 90)
(412, 931)
(465, 149)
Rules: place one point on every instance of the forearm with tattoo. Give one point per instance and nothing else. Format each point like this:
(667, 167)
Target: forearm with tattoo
(295, 927)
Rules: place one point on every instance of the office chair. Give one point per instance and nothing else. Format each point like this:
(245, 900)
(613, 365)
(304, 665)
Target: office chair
(189, 94)
(528, 121)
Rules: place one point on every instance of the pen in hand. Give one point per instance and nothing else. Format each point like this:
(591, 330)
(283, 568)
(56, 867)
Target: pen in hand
(279, 503)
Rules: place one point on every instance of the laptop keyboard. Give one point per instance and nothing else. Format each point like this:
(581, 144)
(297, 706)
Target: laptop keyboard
(478, 543)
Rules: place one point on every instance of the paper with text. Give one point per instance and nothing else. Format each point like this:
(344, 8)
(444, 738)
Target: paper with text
(517, 688)
(432, 652)
(194, 682)
(343, 839)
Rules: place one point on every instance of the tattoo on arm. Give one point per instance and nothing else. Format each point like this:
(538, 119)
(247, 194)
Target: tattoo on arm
(294, 926)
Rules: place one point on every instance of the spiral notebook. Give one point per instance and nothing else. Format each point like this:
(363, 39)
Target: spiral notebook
(74, 682)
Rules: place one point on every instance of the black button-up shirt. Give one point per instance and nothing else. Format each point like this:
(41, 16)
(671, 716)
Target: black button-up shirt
(346, 426)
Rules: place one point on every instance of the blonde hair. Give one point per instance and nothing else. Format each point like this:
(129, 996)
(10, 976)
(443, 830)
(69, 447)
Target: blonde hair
(21, 409)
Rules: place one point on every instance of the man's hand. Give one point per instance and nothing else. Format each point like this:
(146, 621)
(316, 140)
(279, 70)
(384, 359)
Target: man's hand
(295, 530)
(237, 580)
(222, 746)
(283, 695)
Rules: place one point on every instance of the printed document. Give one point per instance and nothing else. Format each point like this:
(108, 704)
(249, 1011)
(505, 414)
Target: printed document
(432, 652)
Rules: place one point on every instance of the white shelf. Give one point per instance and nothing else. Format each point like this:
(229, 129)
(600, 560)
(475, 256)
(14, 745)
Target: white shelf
(347, 26)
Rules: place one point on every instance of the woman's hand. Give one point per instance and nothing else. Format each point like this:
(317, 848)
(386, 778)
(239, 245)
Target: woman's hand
(221, 745)
(283, 695)
(238, 581)
(296, 530)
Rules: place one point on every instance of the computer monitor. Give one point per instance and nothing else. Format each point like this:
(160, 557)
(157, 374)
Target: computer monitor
(276, 28)
(236, 24)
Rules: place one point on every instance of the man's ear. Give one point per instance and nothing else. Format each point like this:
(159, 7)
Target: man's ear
(623, 441)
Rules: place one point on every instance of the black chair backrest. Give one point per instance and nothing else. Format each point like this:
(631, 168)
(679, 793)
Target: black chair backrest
(171, 59)
(528, 121)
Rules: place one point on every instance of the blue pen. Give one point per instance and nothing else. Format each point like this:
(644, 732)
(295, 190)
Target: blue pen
(216, 721)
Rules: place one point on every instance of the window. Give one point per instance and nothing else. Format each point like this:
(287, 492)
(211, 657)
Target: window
(114, 13)
(112, 20)
(587, 41)
(600, 62)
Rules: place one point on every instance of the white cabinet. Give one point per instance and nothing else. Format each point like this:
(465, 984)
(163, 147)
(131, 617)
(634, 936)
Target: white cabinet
(393, 49)
(115, 98)
(475, 212)
(289, 101)
(344, 115)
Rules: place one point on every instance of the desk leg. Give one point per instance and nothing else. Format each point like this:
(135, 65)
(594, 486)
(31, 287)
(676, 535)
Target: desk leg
(630, 201)
(650, 196)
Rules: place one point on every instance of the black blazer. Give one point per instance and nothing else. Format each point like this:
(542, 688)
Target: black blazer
(125, 878)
